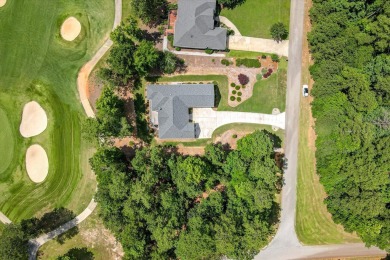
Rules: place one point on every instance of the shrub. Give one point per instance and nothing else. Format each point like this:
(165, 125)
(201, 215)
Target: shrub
(243, 86)
(243, 79)
(234, 136)
(209, 51)
(264, 70)
(237, 87)
(249, 63)
(225, 62)
(270, 71)
(263, 56)
(266, 75)
(259, 76)
(170, 39)
(234, 92)
(233, 84)
(178, 48)
(239, 99)
(232, 98)
(213, 60)
(275, 57)
(239, 93)
(279, 31)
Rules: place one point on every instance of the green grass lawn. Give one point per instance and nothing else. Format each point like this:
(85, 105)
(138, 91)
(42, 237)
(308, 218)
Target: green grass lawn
(255, 17)
(267, 94)
(36, 64)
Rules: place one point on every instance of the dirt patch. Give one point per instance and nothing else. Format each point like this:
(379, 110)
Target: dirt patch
(184, 150)
(2, 3)
(95, 87)
(34, 120)
(231, 137)
(206, 194)
(37, 164)
(70, 29)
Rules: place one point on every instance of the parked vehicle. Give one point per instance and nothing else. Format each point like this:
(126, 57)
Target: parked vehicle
(305, 90)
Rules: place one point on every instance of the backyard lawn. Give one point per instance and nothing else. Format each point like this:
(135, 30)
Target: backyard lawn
(255, 17)
(37, 64)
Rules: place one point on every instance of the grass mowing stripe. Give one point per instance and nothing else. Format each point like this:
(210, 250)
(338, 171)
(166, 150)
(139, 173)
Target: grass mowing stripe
(38, 65)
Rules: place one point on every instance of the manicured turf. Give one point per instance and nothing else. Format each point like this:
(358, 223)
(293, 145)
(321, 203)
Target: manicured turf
(255, 17)
(7, 140)
(36, 64)
(245, 54)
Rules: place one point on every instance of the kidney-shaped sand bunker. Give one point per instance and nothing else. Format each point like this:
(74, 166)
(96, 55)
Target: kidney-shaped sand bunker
(2, 3)
(37, 163)
(34, 120)
(70, 29)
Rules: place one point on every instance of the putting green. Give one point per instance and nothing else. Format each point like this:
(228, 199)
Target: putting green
(37, 64)
(6, 142)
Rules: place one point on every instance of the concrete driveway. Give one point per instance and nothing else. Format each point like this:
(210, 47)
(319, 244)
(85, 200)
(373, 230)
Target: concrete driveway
(207, 120)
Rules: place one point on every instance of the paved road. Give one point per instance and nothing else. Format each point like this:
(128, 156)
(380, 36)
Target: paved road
(82, 79)
(36, 243)
(285, 244)
(208, 120)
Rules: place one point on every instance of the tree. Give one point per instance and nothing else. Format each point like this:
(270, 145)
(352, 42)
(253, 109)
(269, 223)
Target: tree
(169, 62)
(145, 57)
(149, 11)
(231, 3)
(279, 32)
(13, 243)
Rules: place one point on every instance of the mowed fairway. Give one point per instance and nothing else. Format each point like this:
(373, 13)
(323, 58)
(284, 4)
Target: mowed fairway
(37, 64)
(255, 17)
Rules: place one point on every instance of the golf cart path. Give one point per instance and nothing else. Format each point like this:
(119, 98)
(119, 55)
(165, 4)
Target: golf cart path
(36, 243)
(207, 120)
(4, 219)
(82, 79)
(82, 83)
(285, 245)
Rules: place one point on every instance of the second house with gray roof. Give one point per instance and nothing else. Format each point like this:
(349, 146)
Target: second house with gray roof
(195, 26)
(170, 107)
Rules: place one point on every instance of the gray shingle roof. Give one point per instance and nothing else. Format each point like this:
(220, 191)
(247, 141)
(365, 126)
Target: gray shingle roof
(172, 103)
(194, 26)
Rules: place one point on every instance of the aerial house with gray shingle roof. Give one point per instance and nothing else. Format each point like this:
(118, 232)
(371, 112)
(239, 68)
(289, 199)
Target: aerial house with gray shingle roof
(195, 26)
(170, 107)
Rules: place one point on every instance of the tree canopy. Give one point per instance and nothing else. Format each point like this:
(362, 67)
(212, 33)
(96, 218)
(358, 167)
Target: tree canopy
(350, 46)
(279, 32)
(167, 206)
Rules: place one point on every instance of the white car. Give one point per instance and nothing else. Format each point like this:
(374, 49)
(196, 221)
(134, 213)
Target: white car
(305, 90)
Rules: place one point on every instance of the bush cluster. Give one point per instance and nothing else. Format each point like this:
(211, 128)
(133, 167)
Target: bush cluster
(268, 73)
(243, 79)
(275, 57)
(249, 63)
(225, 62)
(209, 51)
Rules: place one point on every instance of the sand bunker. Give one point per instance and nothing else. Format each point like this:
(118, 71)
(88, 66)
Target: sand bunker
(34, 120)
(2, 2)
(37, 164)
(70, 29)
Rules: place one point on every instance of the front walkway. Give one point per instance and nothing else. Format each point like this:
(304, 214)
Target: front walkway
(244, 43)
(229, 24)
(4, 219)
(207, 120)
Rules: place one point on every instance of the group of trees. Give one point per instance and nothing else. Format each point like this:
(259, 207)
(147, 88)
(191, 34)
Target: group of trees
(350, 44)
(166, 206)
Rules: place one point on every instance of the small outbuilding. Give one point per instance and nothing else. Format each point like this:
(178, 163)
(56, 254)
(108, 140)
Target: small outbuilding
(170, 107)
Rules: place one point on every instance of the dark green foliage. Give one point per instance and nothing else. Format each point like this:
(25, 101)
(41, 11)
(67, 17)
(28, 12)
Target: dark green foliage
(13, 243)
(275, 57)
(239, 99)
(279, 32)
(225, 62)
(237, 87)
(178, 48)
(150, 11)
(233, 85)
(209, 51)
(167, 206)
(230, 3)
(232, 98)
(239, 93)
(145, 57)
(249, 63)
(350, 46)
(169, 62)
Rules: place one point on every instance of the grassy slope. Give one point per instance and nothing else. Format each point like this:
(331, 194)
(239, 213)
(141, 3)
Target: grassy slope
(36, 64)
(314, 224)
(255, 17)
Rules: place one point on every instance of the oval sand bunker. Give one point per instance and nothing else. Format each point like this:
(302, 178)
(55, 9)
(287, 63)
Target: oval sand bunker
(37, 164)
(34, 120)
(70, 29)
(2, 3)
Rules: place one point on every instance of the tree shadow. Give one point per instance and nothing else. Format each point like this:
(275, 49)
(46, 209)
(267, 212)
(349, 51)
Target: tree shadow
(78, 253)
(67, 235)
(143, 130)
(217, 95)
